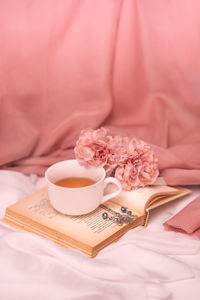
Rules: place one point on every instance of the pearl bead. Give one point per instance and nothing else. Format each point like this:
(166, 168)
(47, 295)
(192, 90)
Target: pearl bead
(104, 215)
(123, 209)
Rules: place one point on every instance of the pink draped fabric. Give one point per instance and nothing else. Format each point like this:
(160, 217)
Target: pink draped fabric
(187, 220)
(130, 65)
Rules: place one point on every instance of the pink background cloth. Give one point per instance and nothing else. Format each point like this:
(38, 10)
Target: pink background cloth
(187, 220)
(132, 66)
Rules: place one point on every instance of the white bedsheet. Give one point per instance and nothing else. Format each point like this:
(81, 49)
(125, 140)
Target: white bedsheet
(147, 263)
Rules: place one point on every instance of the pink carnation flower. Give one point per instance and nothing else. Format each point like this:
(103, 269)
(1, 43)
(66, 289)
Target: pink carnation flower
(133, 161)
(96, 148)
(137, 165)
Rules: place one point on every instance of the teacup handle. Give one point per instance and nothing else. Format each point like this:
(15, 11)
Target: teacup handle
(113, 194)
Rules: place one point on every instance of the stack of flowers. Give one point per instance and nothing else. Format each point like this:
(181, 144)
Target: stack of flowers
(130, 160)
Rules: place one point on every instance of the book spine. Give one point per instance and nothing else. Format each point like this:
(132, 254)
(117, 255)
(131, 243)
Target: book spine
(146, 218)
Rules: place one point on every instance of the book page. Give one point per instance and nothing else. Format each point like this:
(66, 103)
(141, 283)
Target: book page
(160, 200)
(138, 200)
(90, 229)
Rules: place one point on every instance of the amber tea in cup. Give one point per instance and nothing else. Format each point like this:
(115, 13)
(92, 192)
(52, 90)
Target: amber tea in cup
(75, 182)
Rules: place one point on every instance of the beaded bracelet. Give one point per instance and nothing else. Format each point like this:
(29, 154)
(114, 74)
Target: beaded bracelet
(120, 219)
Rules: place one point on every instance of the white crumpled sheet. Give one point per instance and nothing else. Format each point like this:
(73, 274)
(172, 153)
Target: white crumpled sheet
(146, 263)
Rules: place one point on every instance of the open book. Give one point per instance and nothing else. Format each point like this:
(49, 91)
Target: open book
(89, 233)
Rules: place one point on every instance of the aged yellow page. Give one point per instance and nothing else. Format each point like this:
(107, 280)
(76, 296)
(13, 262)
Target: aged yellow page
(137, 199)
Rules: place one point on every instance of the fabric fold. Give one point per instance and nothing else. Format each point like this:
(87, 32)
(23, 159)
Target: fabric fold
(187, 220)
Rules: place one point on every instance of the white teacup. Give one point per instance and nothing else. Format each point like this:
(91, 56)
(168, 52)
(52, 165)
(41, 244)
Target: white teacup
(78, 201)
